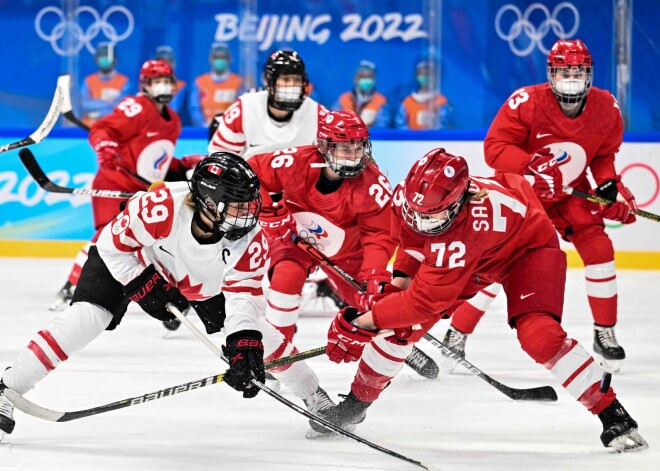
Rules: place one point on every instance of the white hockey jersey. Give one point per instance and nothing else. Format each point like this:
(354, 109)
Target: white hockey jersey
(246, 129)
(155, 228)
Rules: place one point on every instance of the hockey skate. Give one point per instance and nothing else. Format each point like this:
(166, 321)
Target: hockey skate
(63, 297)
(6, 414)
(607, 351)
(175, 323)
(347, 414)
(317, 403)
(455, 341)
(620, 430)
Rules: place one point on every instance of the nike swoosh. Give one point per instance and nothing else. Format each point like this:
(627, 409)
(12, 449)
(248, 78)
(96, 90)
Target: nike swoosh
(523, 296)
(169, 253)
(595, 211)
(539, 135)
(294, 203)
(254, 145)
(150, 134)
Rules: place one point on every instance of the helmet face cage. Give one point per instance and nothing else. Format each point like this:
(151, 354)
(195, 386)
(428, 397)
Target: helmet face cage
(279, 63)
(570, 70)
(435, 190)
(226, 190)
(346, 159)
(432, 223)
(160, 92)
(343, 140)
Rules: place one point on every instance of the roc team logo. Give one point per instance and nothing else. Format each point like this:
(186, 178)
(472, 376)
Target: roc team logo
(563, 157)
(328, 237)
(316, 230)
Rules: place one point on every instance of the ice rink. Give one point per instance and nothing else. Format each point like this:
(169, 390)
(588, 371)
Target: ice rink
(457, 422)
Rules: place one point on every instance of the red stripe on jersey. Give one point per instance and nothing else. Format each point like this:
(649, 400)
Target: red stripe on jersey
(228, 142)
(278, 354)
(41, 356)
(240, 289)
(600, 280)
(577, 372)
(386, 355)
(256, 278)
(487, 293)
(52, 343)
(283, 309)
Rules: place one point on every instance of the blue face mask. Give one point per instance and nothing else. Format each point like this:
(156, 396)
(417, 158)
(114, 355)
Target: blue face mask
(104, 63)
(423, 81)
(365, 84)
(220, 65)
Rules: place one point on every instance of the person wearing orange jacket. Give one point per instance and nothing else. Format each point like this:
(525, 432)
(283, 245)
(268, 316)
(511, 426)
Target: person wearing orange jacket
(104, 89)
(426, 108)
(214, 91)
(370, 105)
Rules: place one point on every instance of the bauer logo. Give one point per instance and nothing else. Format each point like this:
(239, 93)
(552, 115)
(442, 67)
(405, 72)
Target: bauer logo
(120, 224)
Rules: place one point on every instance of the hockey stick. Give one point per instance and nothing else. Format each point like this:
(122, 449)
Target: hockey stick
(419, 361)
(63, 83)
(320, 420)
(605, 201)
(35, 170)
(543, 393)
(30, 408)
(67, 109)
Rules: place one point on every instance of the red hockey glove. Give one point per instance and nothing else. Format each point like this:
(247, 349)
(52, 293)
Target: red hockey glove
(245, 353)
(346, 341)
(547, 176)
(191, 161)
(108, 155)
(618, 211)
(365, 301)
(277, 223)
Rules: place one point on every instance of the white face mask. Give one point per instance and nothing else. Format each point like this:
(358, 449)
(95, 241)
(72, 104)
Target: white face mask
(570, 86)
(288, 93)
(159, 89)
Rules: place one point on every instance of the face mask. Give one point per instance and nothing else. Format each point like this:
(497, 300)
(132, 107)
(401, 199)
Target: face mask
(288, 93)
(423, 81)
(161, 92)
(570, 86)
(104, 63)
(365, 84)
(220, 65)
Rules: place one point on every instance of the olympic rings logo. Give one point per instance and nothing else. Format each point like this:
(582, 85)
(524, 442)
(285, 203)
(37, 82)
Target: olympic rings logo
(67, 37)
(523, 26)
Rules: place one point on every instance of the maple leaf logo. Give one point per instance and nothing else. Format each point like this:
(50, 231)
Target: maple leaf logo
(191, 292)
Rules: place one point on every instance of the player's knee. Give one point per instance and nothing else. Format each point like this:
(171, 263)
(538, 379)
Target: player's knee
(288, 276)
(540, 335)
(593, 245)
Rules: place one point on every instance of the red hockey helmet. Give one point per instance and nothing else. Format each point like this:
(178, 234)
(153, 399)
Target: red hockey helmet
(434, 192)
(343, 140)
(570, 70)
(154, 69)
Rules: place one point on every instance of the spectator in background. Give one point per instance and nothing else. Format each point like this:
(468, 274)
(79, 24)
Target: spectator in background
(426, 108)
(166, 53)
(214, 91)
(104, 89)
(371, 105)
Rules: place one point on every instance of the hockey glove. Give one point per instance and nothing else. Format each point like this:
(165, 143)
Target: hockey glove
(277, 223)
(246, 361)
(547, 176)
(211, 312)
(346, 341)
(107, 155)
(617, 211)
(365, 301)
(152, 293)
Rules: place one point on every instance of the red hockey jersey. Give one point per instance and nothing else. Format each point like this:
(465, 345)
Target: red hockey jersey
(532, 119)
(351, 222)
(487, 237)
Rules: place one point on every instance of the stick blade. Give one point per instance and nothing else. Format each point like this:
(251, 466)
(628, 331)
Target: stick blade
(542, 394)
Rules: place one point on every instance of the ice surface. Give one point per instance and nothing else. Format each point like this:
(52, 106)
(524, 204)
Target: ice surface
(457, 422)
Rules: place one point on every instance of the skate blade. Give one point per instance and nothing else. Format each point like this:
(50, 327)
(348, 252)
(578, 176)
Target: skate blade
(631, 442)
(327, 433)
(609, 366)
